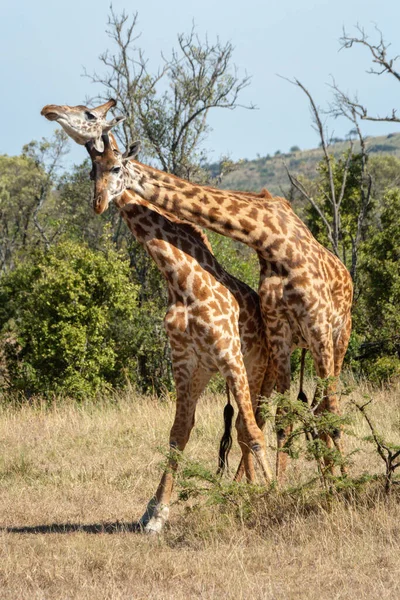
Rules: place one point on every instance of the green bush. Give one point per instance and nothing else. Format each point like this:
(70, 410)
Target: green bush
(67, 322)
(383, 370)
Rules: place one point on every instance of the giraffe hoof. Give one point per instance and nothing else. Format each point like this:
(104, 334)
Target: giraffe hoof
(157, 521)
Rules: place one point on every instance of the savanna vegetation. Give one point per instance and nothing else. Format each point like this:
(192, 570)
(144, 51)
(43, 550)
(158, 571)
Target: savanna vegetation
(53, 253)
(85, 376)
(75, 477)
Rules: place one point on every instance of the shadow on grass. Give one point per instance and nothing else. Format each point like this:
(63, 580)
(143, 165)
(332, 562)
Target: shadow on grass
(116, 527)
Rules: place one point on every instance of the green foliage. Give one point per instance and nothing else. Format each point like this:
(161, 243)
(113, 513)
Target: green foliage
(305, 421)
(152, 348)
(378, 309)
(385, 173)
(382, 370)
(19, 179)
(76, 216)
(239, 260)
(350, 206)
(29, 214)
(67, 322)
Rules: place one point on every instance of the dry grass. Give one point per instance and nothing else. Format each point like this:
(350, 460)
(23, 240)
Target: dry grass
(84, 467)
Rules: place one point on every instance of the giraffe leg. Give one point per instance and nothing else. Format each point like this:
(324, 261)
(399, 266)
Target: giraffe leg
(246, 462)
(190, 383)
(279, 337)
(277, 372)
(339, 350)
(322, 350)
(282, 431)
(250, 436)
(267, 386)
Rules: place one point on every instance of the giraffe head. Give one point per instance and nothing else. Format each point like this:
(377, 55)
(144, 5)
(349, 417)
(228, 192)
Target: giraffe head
(109, 171)
(81, 123)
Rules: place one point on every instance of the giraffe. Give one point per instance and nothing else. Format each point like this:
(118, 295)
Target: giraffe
(81, 123)
(214, 323)
(305, 291)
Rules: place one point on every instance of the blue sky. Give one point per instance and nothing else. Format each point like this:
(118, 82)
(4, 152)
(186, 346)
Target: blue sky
(45, 45)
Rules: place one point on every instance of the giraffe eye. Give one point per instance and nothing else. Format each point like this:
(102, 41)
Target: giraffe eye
(90, 116)
(115, 169)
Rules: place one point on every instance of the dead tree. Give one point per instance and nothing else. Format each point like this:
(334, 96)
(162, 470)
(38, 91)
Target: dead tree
(384, 65)
(328, 189)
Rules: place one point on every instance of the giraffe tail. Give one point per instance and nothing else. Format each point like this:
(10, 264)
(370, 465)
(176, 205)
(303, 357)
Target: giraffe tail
(301, 395)
(226, 441)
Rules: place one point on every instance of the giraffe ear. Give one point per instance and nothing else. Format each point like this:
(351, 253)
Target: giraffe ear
(98, 144)
(108, 126)
(132, 151)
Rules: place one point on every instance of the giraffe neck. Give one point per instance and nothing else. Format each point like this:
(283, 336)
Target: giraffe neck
(245, 217)
(144, 209)
(171, 242)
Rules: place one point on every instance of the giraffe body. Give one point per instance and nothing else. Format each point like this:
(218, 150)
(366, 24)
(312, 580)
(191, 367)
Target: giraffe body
(305, 291)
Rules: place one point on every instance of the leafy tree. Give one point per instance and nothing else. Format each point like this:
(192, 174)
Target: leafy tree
(378, 313)
(67, 322)
(28, 213)
(76, 217)
(385, 174)
(238, 259)
(168, 109)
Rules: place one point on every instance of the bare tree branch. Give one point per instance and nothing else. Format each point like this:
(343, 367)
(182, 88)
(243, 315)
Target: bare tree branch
(385, 452)
(334, 230)
(168, 109)
(300, 187)
(386, 65)
(343, 106)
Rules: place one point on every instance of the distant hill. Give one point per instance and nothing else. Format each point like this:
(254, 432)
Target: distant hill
(269, 171)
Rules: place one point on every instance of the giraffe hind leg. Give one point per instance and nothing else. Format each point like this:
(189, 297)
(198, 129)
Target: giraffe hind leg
(260, 393)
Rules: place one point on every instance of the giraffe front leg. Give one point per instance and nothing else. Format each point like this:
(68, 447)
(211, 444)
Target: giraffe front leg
(250, 436)
(189, 386)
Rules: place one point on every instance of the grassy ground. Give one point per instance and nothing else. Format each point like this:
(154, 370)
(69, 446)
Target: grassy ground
(73, 480)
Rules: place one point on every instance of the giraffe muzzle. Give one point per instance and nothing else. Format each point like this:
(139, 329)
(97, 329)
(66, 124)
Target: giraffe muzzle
(52, 116)
(50, 112)
(100, 203)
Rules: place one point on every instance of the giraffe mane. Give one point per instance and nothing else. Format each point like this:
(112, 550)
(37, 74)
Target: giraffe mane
(263, 195)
